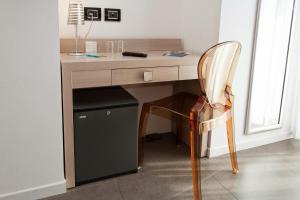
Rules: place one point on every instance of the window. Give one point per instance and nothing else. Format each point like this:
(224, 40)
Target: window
(274, 20)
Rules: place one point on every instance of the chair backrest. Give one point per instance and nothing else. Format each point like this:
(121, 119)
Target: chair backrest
(216, 69)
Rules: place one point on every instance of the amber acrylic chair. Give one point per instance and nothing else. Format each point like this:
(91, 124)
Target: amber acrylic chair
(206, 111)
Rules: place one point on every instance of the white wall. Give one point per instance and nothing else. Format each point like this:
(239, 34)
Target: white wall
(140, 19)
(238, 23)
(31, 148)
(194, 21)
(200, 24)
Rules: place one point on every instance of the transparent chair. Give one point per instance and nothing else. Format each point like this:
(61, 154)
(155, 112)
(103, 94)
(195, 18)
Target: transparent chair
(206, 111)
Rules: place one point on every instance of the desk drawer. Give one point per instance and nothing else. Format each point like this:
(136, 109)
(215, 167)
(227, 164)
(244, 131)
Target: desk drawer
(84, 79)
(144, 75)
(188, 72)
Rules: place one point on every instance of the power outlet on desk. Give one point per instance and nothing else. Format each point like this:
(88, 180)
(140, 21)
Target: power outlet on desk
(92, 14)
(112, 14)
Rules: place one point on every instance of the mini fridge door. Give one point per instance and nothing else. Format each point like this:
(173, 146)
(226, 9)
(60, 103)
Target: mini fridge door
(106, 143)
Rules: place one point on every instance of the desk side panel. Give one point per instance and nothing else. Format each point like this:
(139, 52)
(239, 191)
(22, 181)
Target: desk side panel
(68, 127)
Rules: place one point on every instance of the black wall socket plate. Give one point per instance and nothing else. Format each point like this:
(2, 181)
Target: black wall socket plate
(92, 14)
(112, 14)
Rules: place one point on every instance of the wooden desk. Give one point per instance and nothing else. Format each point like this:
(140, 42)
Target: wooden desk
(83, 72)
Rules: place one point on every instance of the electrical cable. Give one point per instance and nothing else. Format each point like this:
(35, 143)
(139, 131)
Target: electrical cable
(89, 30)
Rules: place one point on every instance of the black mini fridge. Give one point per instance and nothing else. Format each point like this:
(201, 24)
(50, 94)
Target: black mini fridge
(105, 133)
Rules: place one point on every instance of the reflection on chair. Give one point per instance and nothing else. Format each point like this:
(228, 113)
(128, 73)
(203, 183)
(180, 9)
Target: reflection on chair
(206, 111)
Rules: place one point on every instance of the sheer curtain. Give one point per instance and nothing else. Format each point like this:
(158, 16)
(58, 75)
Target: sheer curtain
(269, 65)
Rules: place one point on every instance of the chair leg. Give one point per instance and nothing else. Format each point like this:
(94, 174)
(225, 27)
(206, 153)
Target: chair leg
(194, 141)
(142, 126)
(231, 144)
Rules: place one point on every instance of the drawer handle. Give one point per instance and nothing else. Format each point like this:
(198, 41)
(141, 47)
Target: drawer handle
(148, 76)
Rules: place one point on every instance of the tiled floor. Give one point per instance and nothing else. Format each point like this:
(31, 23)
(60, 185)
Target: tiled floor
(270, 172)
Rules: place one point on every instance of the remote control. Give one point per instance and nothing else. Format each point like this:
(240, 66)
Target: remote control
(134, 54)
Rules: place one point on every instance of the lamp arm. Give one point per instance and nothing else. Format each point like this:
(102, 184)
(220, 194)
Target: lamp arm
(76, 38)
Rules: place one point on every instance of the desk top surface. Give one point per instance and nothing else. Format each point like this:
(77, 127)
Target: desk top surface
(108, 57)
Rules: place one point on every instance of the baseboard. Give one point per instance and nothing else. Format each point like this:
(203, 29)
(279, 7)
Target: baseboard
(272, 138)
(36, 192)
(296, 136)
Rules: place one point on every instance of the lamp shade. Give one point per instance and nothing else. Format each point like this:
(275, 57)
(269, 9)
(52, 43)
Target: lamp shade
(76, 13)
